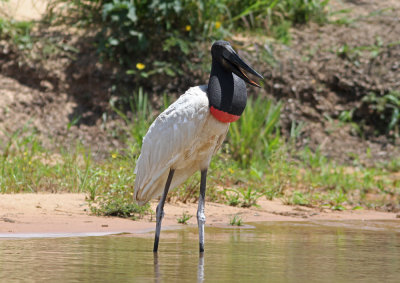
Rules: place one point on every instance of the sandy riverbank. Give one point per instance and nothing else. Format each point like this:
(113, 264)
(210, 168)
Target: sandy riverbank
(69, 213)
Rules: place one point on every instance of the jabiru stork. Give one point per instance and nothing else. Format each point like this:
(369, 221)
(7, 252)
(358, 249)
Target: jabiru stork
(184, 137)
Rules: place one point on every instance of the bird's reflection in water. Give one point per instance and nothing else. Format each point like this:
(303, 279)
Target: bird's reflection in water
(200, 268)
(157, 275)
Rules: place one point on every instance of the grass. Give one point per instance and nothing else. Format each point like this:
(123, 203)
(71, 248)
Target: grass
(184, 218)
(138, 119)
(236, 220)
(25, 165)
(119, 204)
(243, 197)
(255, 133)
(18, 32)
(311, 180)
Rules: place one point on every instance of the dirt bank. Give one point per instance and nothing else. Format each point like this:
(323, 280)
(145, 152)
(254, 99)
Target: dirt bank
(69, 213)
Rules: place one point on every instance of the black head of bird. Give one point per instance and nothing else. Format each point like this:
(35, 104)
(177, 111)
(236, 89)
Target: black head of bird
(222, 53)
(227, 85)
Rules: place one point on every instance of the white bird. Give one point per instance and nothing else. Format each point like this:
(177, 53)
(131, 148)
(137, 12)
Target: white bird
(185, 136)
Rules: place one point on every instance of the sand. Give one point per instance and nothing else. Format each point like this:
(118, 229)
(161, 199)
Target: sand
(68, 214)
(23, 10)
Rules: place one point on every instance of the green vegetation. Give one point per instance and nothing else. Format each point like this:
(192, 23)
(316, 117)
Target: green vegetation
(256, 133)
(19, 32)
(299, 177)
(164, 35)
(236, 220)
(184, 218)
(243, 197)
(378, 113)
(120, 204)
(138, 122)
(386, 109)
(383, 114)
(26, 166)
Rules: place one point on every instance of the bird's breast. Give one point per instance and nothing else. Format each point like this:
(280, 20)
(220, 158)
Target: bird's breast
(208, 141)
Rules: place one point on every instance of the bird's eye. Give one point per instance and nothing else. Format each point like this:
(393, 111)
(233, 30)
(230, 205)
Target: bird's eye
(225, 63)
(225, 53)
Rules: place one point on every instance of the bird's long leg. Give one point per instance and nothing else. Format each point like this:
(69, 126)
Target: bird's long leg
(201, 217)
(160, 210)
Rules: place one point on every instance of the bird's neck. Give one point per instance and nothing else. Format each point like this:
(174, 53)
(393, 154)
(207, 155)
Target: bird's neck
(227, 94)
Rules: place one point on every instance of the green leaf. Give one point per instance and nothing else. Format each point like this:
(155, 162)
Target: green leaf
(113, 41)
(338, 207)
(169, 72)
(358, 207)
(132, 14)
(395, 118)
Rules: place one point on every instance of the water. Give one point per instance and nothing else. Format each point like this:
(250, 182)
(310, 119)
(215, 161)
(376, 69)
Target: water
(266, 252)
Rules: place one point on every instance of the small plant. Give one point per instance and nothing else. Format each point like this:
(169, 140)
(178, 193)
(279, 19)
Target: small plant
(250, 197)
(393, 165)
(298, 198)
(236, 220)
(232, 199)
(19, 32)
(385, 109)
(184, 218)
(119, 206)
(315, 160)
(337, 199)
(246, 198)
(346, 116)
(278, 16)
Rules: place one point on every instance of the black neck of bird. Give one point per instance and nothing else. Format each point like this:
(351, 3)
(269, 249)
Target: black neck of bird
(226, 91)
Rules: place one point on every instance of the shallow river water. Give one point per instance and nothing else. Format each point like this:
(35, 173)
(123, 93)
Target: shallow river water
(328, 251)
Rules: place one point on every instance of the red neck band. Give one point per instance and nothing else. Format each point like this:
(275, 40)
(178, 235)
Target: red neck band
(222, 116)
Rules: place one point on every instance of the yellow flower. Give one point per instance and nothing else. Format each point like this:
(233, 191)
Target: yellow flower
(217, 24)
(121, 168)
(140, 66)
(114, 155)
(231, 170)
(30, 162)
(188, 28)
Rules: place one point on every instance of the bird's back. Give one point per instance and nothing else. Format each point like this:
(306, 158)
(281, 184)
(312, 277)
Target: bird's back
(173, 141)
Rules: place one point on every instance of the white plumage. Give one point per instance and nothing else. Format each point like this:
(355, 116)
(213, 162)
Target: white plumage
(183, 137)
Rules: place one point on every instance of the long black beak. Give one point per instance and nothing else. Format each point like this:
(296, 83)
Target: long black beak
(239, 67)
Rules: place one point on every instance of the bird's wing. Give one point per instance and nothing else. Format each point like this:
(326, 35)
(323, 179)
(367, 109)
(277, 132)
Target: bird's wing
(171, 133)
